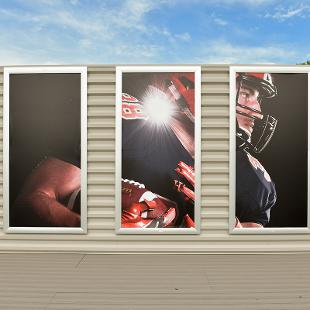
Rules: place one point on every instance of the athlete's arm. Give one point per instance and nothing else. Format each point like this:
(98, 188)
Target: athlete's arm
(238, 224)
(251, 225)
(38, 203)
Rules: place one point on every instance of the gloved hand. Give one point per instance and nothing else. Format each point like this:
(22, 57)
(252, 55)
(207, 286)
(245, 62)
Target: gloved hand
(187, 173)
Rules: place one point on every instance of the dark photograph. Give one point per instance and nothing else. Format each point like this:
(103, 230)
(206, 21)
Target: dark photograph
(158, 150)
(271, 150)
(44, 149)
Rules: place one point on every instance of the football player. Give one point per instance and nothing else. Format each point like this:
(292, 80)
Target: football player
(255, 191)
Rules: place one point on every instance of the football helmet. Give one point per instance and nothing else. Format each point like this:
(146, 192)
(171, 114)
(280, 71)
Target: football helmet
(263, 124)
(181, 88)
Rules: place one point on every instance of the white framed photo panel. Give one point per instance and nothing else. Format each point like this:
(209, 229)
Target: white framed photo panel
(45, 149)
(269, 142)
(158, 146)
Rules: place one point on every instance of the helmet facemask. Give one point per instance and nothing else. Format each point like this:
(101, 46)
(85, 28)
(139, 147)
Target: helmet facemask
(264, 124)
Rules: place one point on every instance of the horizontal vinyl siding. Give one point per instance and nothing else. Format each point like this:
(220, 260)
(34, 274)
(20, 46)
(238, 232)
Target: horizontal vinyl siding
(101, 235)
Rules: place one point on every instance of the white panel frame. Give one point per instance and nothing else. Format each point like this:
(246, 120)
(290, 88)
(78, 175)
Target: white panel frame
(118, 155)
(232, 151)
(82, 70)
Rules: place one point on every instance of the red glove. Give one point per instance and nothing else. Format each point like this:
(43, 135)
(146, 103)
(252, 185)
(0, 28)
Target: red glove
(186, 172)
(188, 222)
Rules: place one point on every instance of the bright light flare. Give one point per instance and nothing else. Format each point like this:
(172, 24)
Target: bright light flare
(157, 106)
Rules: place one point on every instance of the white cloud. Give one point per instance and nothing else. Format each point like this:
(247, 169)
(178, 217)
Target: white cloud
(171, 37)
(61, 32)
(225, 52)
(12, 57)
(282, 14)
(243, 2)
(220, 21)
(137, 53)
(137, 9)
(68, 20)
(183, 36)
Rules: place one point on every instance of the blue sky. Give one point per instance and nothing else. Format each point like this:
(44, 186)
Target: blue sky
(152, 32)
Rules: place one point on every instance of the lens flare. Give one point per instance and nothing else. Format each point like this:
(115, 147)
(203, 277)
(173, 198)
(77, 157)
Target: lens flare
(157, 106)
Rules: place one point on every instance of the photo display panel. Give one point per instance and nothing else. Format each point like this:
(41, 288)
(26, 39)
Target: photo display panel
(44, 151)
(158, 179)
(269, 111)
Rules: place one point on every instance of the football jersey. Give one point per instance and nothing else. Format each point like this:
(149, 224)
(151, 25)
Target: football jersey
(255, 191)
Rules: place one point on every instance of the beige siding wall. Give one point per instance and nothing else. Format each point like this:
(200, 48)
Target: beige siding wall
(101, 235)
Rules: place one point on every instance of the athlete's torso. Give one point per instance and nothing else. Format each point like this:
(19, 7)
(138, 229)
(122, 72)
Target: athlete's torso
(255, 191)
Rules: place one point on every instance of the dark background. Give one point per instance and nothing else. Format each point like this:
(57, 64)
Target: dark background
(285, 157)
(149, 155)
(136, 83)
(44, 121)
